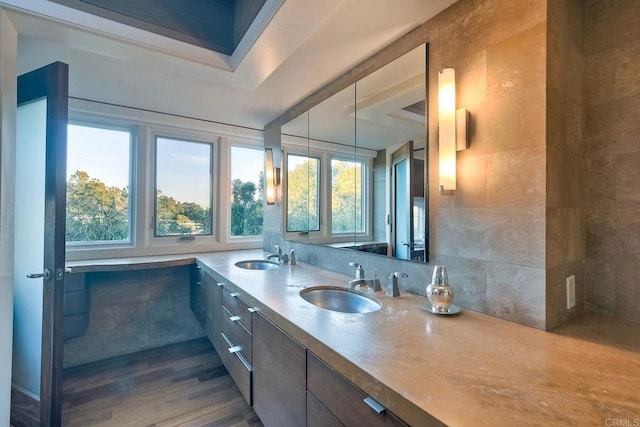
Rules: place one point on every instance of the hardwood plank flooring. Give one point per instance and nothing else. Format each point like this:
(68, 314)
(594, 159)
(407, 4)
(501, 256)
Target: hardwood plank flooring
(182, 384)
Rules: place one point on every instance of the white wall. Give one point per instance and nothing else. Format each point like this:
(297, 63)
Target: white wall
(8, 88)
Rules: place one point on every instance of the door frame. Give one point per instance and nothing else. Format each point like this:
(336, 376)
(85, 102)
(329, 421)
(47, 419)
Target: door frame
(404, 153)
(51, 82)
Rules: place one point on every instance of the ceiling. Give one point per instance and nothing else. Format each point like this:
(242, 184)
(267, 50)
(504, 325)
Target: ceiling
(293, 48)
(217, 25)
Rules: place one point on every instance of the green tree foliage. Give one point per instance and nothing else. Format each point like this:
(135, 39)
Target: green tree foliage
(95, 211)
(302, 197)
(175, 218)
(346, 196)
(247, 209)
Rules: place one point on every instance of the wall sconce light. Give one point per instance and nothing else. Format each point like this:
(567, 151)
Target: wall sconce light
(452, 130)
(271, 176)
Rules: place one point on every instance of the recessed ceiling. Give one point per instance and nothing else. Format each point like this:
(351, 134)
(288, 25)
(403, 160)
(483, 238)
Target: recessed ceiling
(217, 25)
(301, 46)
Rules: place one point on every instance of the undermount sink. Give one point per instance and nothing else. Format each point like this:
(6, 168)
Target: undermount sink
(257, 264)
(340, 299)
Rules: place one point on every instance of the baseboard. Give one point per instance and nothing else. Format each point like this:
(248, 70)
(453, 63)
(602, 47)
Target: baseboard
(25, 407)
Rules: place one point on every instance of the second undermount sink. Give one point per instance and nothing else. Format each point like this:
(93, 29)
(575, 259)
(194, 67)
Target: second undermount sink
(257, 264)
(340, 299)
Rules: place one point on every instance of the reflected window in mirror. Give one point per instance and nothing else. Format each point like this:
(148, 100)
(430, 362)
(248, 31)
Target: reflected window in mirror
(347, 196)
(303, 191)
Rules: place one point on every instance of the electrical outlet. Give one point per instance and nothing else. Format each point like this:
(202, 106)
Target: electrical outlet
(571, 292)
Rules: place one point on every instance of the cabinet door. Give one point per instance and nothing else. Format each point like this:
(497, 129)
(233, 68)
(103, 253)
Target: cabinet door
(318, 415)
(279, 380)
(350, 405)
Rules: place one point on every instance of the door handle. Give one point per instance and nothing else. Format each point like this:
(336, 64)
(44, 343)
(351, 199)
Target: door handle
(46, 275)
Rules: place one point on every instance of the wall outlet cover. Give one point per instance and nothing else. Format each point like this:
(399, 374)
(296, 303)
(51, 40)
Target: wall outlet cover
(571, 292)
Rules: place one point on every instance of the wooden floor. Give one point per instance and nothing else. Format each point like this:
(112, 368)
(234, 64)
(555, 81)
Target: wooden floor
(179, 385)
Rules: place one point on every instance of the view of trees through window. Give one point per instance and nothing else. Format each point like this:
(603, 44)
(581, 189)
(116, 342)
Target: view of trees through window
(183, 187)
(302, 193)
(97, 184)
(346, 196)
(247, 187)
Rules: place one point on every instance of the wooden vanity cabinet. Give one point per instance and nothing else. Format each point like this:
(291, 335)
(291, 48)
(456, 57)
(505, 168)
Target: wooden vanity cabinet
(349, 405)
(236, 333)
(279, 376)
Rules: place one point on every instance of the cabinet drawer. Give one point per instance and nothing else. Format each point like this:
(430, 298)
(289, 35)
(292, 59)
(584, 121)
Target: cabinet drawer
(342, 398)
(237, 307)
(238, 368)
(318, 415)
(237, 334)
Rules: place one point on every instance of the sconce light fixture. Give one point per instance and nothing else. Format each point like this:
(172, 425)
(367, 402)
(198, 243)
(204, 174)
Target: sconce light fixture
(271, 176)
(452, 130)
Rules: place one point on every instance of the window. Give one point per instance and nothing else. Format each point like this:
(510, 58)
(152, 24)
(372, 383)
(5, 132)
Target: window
(143, 183)
(183, 196)
(98, 183)
(346, 196)
(303, 189)
(247, 185)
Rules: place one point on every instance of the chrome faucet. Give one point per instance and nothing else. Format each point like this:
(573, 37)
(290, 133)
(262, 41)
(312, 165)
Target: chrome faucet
(392, 284)
(371, 284)
(281, 256)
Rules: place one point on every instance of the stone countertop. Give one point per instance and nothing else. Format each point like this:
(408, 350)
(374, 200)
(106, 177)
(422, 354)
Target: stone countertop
(471, 369)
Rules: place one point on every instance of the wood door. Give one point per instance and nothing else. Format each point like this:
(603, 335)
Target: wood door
(41, 154)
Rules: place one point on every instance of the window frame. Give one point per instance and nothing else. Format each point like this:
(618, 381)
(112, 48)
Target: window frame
(146, 124)
(225, 193)
(212, 148)
(364, 196)
(296, 235)
(326, 151)
(97, 122)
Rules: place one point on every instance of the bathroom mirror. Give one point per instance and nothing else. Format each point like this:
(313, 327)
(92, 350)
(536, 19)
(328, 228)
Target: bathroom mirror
(363, 154)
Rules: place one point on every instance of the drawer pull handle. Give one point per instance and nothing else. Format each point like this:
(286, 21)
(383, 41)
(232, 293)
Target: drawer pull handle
(235, 349)
(375, 405)
(227, 340)
(233, 295)
(252, 309)
(199, 283)
(220, 284)
(234, 318)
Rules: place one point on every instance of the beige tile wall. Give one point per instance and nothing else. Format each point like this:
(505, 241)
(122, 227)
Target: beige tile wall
(612, 158)
(565, 117)
(491, 233)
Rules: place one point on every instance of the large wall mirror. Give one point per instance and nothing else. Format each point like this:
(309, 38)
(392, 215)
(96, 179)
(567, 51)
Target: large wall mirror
(356, 165)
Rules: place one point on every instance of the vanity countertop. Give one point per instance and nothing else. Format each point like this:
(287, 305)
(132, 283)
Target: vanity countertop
(470, 369)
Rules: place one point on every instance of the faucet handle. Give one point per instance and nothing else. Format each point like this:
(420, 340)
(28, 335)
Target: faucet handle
(359, 269)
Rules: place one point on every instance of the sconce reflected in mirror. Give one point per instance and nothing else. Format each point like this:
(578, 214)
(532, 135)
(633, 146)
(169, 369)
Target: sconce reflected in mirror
(271, 176)
(452, 130)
